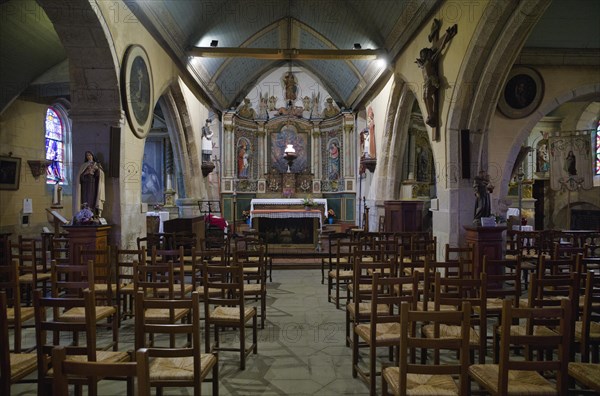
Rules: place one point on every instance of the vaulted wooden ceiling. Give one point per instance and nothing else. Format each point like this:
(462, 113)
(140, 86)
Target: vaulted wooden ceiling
(33, 62)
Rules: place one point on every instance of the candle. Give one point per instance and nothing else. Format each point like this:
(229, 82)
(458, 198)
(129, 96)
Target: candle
(55, 199)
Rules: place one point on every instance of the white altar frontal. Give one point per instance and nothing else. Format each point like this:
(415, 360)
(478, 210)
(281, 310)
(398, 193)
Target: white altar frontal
(285, 222)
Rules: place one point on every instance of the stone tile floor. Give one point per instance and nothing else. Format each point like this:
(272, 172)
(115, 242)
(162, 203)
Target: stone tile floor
(301, 350)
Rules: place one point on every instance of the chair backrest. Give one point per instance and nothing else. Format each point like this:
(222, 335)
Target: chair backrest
(160, 280)
(72, 279)
(559, 339)
(563, 266)
(124, 268)
(27, 254)
(104, 271)
(503, 278)
(60, 250)
(590, 312)
(411, 340)
(566, 251)
(64, 371)
(5, 370)
(463, 254)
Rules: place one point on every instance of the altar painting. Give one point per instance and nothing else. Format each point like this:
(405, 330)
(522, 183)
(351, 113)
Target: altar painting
(279, 141)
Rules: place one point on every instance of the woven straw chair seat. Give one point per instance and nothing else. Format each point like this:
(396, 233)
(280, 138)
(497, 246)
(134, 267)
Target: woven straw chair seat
(250, 270)
(519, 382)
(594, 331)
(363, 287)
(77, 314)
(22, 364)
(29, 277)
(232, 314)
(211, 291)
(383, 332)
(364, 309)
(586, 373)
(421, 384)
(521, 330)
(187, 288)
(101, 356)
(182, 368)
(344, 274)
(447, 331)
(160, 315)
(253, 288)
(26, 314)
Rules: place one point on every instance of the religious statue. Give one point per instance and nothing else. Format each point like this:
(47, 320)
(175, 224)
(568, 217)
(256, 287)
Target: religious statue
(330, 109)
(207, 135)
(482, 188)
(91, 185)
(428, 61)
(246, 110)
(290, 86)
(263, 113)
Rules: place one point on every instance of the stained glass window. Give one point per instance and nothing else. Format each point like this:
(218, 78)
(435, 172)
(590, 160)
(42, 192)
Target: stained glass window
(55, 147)
(597, 146)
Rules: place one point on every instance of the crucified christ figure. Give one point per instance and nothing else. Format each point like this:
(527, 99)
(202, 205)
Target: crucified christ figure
(428, 61)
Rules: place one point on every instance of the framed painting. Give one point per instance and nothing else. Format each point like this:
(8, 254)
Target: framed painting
(137, 90)
(10, 173)
(522, 93)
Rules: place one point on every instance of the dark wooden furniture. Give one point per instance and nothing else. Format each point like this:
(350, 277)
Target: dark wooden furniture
(486, 241)
(402, 216)
(87, 237)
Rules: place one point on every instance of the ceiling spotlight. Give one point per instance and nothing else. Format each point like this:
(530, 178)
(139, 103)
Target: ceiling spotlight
(214, 43)
(357, 46)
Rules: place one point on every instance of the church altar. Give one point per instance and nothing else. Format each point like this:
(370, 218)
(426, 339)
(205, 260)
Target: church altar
(289, 203)
(289, 214)
(285, 222)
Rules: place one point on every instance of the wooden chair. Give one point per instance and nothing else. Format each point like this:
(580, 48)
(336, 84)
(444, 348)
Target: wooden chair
(157, 281)
(71, 280)
(452, 292)
(255, 288)
(105, 285)
(359, 291)
(587, 330)
(14, 367)
(462, 254)
(181, 365)
(177, 256)
(383, 327)
(341, 270)
(228, 308)
(328, 262)
(436, 378)
(67, 371)
(30, 275)
(17, 317)
(125, 268)
(60, 322)
(518, 376)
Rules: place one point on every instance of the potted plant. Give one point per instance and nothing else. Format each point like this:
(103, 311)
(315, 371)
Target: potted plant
(309, 203)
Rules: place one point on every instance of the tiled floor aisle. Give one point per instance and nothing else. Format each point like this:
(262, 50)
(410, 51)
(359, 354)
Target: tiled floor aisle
(301, 351)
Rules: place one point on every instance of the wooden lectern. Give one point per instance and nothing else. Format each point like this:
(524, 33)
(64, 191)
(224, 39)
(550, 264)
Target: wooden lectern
(86, 237)
(487, 241)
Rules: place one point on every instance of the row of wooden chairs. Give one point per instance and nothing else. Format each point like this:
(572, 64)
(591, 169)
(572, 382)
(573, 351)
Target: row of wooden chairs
(486, 297)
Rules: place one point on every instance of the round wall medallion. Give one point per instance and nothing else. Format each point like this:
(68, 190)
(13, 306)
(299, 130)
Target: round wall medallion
(137, 90)
(522, 94)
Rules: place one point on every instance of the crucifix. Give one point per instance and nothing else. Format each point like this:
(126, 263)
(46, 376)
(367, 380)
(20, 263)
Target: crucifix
(428, 62)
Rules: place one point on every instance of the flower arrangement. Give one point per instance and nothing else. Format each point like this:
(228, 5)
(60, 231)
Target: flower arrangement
(84, 216)
(331, 213)
(309, 202)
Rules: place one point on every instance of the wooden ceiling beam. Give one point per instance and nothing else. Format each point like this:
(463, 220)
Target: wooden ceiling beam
(286, 54)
